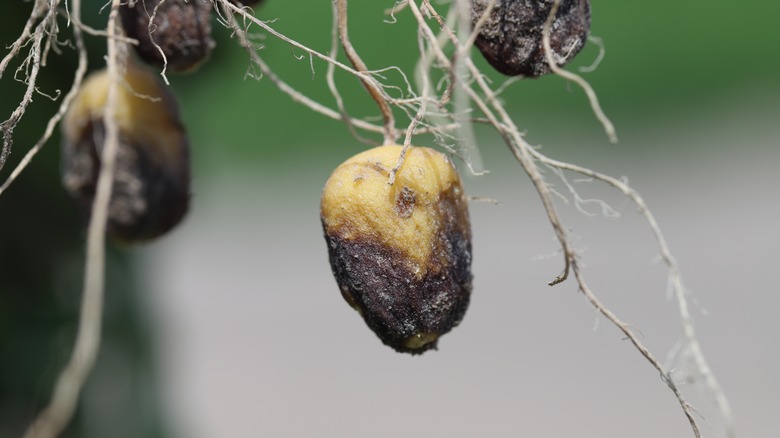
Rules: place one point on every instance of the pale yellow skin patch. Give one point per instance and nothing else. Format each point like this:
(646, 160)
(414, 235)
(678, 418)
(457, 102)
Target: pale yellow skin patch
(420, 340)
(359, 203)
(144, 110)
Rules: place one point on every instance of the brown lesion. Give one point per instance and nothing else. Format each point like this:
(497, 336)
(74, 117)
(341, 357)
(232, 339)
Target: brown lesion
(406, 313)
(404, 202)
(148, 197)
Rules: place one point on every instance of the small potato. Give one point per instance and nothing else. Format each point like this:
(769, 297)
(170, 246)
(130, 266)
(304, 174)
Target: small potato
(511, 37)
(150, 193)
(180, 28)
(401, 253)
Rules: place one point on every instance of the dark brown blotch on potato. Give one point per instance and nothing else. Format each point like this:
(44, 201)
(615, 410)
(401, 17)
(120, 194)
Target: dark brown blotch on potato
(511, 37)
(181, 28)
(148, 197)
(404, 203)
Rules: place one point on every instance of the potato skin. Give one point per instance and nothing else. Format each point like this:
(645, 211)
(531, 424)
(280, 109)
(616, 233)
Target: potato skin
(400, 254)
(150, 193)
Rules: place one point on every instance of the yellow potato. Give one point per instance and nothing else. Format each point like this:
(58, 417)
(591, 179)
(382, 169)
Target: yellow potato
(400, 253)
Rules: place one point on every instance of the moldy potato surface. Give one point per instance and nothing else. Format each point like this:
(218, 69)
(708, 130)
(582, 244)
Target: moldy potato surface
(402, 253)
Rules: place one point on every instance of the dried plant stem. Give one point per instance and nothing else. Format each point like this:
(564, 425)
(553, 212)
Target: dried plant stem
(81, 70)
(331, 79)
(33, 62)
(363, 76)
(297, 96)
(38, 11)
(675, 279)
(294, 94)
(52, 420)
(665, 377)
(231, 11)
(368, 82)
(151, 28)
(421, 112)
(609, 128)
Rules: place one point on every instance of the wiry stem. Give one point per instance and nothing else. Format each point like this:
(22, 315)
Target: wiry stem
(421, 112)
(295, 95)
(230, 11)
(675, 277)
(81, 70)
(240, 11)
(368, 82)
(609, 128)
(52, 420)
(665, 377)
(150, 29)
(331, 79)
(364, 75)
(39, 9)
(33, 61)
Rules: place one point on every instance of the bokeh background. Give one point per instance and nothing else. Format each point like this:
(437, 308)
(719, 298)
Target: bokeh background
(232, 325)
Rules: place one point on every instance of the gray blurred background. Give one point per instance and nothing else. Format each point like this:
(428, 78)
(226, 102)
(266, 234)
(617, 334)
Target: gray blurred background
(233, 326)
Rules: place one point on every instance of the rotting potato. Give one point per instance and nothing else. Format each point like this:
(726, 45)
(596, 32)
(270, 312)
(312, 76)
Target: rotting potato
(401, 253)
(179, 29)
(510, 39)
(150, 192)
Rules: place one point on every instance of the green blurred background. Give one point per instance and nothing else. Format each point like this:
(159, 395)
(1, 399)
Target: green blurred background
(667, 65)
